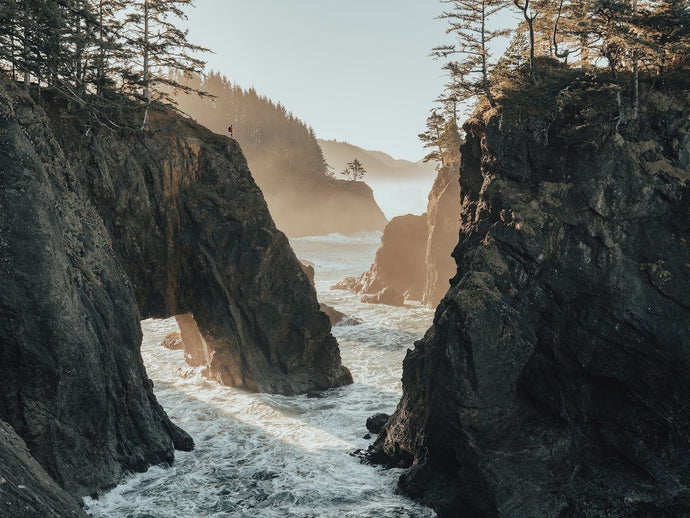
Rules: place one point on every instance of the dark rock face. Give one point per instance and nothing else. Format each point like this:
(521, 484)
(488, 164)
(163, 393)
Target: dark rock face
(554, 378)
(72, 382)
(376, 422)
(195, 237)
(26, 490)
(309, 271)
(99, 230)
(415, 254)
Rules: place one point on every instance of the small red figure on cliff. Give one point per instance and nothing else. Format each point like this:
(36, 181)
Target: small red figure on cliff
(230, 130)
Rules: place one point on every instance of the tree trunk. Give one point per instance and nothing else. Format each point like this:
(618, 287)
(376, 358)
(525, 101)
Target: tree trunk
(636, 73)
(532, 59)
(27, 74)
(147, 90)
(530, 23)
(485, 74)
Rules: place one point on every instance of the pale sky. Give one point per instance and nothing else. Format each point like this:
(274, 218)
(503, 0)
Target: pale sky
(355, 70)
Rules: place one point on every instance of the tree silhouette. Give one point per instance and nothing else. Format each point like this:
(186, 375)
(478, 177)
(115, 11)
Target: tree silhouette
(354, 171)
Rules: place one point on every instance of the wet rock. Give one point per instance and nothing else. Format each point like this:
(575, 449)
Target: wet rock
(26, 490)
(386, 296)
(333, 314)
(367, 436)
(554, 378)
(308, 269)
(376, 422)
(173, 341)
(315, 395)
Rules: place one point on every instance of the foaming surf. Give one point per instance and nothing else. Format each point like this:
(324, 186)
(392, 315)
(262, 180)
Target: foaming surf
(264, 455)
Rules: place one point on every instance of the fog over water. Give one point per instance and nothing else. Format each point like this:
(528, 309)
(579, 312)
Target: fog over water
(401, 197)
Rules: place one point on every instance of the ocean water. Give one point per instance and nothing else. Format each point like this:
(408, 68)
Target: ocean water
(261, 455)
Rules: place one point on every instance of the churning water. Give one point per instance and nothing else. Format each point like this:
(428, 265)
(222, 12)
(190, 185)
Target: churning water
(260, 455)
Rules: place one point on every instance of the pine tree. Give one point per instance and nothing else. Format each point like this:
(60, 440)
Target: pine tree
(354, 171)
(10, 27)
(158, 45)
(110, 54)
(469, 21)
(529, 17)
(433, 137)
(664, 33)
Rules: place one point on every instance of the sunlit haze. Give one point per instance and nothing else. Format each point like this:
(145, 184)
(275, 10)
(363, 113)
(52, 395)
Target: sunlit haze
(358, 71)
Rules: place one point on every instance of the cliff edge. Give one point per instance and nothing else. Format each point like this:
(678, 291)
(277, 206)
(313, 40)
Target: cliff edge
(100, 228)
(553, 380)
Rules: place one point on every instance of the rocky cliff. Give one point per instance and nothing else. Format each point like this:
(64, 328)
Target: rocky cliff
(399, 261)
(100, 228)
(553, 382)
(72, 382)
(442, 216)
(26, 490)
(414, 260)
(195, 236)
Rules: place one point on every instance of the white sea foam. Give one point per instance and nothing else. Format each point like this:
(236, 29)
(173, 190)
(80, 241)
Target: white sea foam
(260, 455)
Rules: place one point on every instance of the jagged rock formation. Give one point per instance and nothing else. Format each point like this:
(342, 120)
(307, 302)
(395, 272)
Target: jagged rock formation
(98, 230)
(173, 341)
(26, 490)
(72, 383)
(399, 261)
(195, 237)
(442, 218)
(387, 296)
(554, 378)
(414, 260)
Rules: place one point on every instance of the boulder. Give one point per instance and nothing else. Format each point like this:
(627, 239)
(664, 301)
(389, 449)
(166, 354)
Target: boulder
(386, 296)
(173, 341)
(376, 422)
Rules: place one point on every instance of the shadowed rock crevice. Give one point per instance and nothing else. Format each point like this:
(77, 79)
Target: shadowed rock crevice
(553, 380)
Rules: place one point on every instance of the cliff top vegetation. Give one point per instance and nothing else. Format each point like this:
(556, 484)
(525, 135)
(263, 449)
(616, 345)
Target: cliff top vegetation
(605, 55)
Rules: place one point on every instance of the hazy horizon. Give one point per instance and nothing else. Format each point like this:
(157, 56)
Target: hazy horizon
(359, 73)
